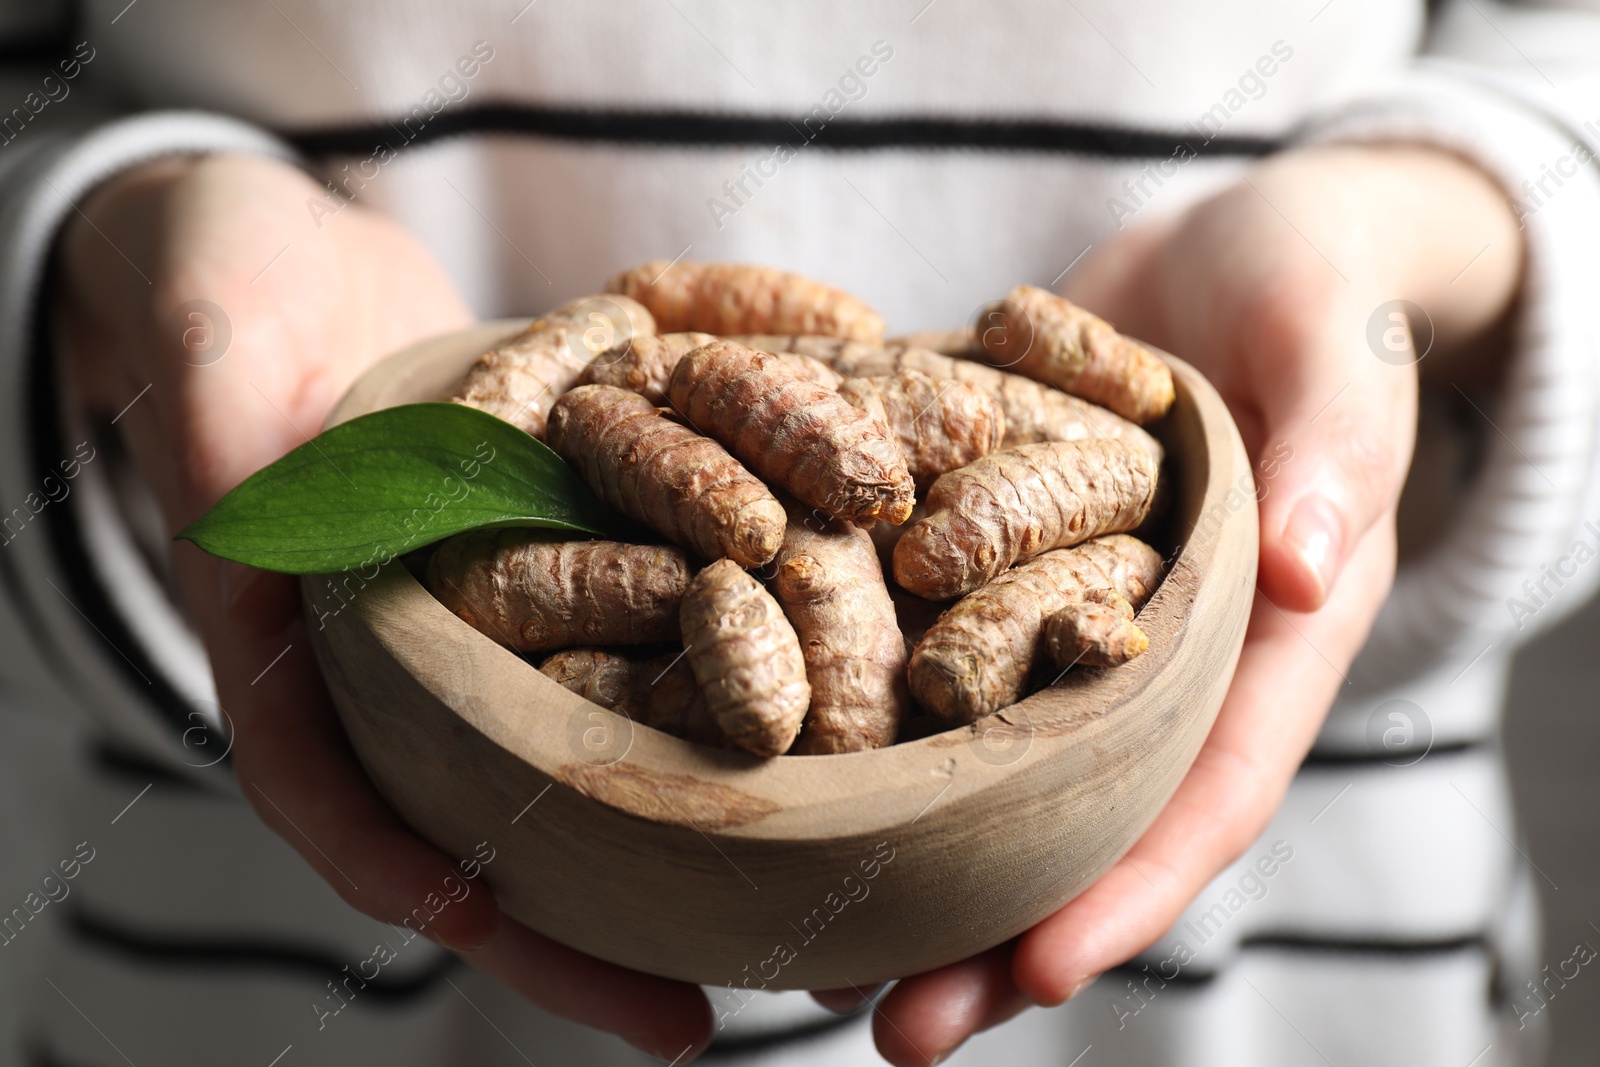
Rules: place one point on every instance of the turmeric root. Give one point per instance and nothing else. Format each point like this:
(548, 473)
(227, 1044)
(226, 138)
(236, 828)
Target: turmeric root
(831, 587)
(1052, 340)
(532, 594)
(963, 342)
(665, 475)
(940, 426)
(725, 298)
(642, 364)
(886, 535)
(830, 350)
(1098, 631)
(1013, 505)
(659, 692)
(645, 364)
(521, 377)
(746, 656)
(976, 659)
(793, 433)
(811, 369)
(1034, 411)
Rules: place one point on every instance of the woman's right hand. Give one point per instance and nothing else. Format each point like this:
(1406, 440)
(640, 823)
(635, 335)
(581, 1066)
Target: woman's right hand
(311, 299)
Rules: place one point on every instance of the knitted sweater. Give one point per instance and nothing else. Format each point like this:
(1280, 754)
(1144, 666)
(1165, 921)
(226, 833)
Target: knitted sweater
(925, 155)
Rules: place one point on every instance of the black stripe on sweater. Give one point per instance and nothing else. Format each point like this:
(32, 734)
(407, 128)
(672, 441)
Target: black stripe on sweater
(701, 129)
(47, 444)
(48, 42)
(114, 761)
(239, 952)
(1392, 949)
(1442, 750)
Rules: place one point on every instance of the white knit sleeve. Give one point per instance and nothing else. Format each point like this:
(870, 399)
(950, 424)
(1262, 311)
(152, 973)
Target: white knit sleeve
(1515, 90)
(83, 622)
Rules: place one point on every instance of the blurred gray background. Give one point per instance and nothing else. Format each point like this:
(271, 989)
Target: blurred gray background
(1552, 740)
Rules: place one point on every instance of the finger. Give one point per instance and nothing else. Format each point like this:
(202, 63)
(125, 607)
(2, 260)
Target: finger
(1287, 676)
(668, 1019)
(845, 1001)
(927, 1017)
(1328, 415)
(296, 768)
(1336, 428)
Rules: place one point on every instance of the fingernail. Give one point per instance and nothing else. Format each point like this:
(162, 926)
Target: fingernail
(868, 994)
(850, 1001)
(1082, 985)
(1315, 534)
(465, 945)
(468, 944)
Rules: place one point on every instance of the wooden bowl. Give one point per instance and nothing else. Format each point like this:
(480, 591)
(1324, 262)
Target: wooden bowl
(801, 872)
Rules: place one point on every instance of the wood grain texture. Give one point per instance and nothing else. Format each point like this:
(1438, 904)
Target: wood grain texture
(721, 868)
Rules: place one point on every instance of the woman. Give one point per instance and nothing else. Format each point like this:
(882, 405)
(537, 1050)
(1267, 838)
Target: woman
(226, 211)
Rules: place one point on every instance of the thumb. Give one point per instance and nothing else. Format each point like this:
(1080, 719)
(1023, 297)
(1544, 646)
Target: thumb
(1337, 423)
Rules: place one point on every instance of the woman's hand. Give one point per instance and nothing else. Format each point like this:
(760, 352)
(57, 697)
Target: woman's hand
(1272, 288)
(309, 305)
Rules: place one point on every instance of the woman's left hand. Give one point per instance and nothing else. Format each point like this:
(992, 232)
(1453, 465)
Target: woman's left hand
(1270, 288)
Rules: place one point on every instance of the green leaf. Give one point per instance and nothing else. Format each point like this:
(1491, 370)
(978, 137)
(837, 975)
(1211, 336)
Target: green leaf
(380, 485)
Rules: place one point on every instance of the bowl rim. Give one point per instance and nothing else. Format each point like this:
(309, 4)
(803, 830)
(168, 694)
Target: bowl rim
(799, 798)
